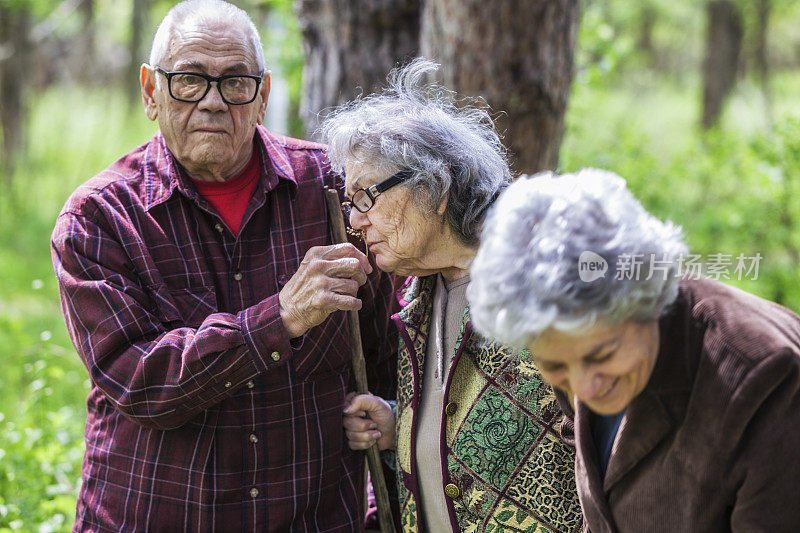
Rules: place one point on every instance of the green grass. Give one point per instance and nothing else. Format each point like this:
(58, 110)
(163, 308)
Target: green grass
(43, 384)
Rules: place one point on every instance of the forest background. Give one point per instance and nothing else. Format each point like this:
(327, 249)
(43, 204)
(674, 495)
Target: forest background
(723, 163)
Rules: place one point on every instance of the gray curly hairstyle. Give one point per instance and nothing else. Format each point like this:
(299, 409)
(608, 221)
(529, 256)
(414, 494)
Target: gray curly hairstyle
(418, 126)
(527, 276)
(204, 11)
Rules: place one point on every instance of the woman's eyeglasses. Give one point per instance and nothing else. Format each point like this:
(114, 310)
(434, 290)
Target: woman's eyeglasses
(364, 198)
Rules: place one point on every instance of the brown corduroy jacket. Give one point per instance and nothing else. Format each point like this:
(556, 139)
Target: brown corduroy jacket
(713, 442)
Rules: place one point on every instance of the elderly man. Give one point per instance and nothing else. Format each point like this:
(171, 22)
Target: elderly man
(200, 287)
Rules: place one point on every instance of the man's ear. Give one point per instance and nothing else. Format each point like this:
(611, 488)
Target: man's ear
(147, 79)
(264, 92)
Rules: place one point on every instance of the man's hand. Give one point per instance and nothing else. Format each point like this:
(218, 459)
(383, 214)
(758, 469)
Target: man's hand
(327, 281)
(368, 419)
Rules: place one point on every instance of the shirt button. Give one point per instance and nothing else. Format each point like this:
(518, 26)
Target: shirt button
(218, 227)
(452, 491)
(227, 384)
(253, 492)
(238, 276)
(250, 385)
(275, 356)
(253, 438)
(451, 408)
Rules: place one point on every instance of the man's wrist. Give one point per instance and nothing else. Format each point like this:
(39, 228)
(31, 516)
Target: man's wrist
(265, 334)
(292, 324)
(293, 330)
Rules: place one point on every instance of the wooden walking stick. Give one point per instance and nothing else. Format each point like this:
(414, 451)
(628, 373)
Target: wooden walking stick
(360, 372)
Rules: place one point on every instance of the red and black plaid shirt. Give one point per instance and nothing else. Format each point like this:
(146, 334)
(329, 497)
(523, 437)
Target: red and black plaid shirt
(202, 415)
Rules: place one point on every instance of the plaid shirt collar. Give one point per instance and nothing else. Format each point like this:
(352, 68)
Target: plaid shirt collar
(162, 177)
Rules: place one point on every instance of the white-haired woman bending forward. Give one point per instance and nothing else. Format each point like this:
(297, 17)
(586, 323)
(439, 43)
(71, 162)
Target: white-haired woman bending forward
(686, 392)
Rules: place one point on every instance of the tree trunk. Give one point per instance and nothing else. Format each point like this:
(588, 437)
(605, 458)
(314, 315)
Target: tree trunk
(644, 40)
(136, 54)
(14, 36)
(763, 8)
(723, 47)
(86, 46)
(351, 45)
(518, 56)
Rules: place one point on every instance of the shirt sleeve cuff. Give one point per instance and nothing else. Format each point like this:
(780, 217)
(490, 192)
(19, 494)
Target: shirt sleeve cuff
(265, 334)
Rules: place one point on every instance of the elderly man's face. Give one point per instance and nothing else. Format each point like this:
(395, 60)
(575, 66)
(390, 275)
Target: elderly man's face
(605, 367)
(212, 139)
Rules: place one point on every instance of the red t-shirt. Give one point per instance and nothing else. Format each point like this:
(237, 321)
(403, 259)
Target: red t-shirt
(230, 197)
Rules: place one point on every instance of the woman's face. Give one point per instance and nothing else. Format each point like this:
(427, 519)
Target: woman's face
(605, 367)
(401, 235)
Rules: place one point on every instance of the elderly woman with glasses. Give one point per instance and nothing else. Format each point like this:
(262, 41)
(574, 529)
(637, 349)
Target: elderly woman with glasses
(686, 392)
(475, 430)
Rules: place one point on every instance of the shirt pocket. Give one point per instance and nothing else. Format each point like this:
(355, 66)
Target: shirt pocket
(184, 307)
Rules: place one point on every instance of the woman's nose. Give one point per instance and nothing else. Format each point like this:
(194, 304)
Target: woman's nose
(585, 383)
(357, 218)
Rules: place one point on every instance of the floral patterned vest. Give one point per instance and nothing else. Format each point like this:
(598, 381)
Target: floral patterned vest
(505, 465)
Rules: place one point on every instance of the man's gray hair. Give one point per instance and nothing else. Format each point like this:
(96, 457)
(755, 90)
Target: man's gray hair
(418, 126)
(204, 11)
(528, 277)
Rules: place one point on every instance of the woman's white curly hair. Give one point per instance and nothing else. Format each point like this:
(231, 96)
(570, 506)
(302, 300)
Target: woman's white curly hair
(527, 275)
(416, 125)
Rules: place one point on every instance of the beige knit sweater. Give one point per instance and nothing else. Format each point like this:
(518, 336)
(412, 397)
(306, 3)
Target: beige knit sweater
(449, 303)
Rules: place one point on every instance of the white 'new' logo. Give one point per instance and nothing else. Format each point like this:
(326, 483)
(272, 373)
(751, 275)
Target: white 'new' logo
(591, 266)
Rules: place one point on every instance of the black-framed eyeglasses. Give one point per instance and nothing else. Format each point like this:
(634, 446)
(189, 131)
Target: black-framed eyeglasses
(235, 89)
(364, 198)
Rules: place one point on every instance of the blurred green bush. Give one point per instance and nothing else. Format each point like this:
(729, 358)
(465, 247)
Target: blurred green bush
(43, 384)
(735, 190)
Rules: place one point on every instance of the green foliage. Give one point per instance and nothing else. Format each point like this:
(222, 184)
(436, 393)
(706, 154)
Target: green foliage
(612, 35)
(603, 50)
(735, 190)
(283, 51)
(43, 385)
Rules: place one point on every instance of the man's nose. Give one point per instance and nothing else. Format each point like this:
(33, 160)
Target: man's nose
(213, 101)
